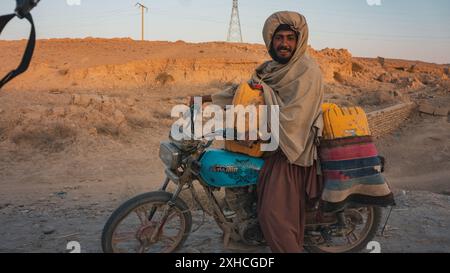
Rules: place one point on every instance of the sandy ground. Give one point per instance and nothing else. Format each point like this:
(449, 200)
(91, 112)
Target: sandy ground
(71, 195)
(71, 153)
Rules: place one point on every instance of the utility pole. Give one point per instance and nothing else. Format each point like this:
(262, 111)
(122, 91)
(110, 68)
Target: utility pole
(142, 12)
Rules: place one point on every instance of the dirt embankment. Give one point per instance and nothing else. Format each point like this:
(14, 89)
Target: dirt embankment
(82, 64)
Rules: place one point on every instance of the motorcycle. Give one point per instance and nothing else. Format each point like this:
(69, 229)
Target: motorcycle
(161, 221)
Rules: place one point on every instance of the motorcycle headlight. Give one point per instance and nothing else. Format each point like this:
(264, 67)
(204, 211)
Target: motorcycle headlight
(170, 155)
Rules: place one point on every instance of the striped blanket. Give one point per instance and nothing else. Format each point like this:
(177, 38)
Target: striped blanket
(352, 174)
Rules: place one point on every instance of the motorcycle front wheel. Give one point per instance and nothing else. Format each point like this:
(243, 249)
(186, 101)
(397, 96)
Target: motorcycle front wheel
(147, 224)
(362, 224)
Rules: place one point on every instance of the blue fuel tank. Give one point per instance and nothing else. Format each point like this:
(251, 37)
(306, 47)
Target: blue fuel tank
(220, 168)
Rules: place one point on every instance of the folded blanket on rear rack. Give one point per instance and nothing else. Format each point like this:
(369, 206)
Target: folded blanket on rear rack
(352, 174)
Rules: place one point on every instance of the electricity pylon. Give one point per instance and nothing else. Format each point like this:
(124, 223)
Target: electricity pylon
(234, 32)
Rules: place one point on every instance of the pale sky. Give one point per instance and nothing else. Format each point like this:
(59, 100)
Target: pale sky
(416, 30)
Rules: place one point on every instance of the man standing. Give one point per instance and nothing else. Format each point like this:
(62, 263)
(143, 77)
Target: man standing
(288, 180)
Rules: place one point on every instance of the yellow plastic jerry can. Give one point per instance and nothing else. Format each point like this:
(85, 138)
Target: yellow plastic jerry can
(327, 106)
(246, 95)
(341, 122)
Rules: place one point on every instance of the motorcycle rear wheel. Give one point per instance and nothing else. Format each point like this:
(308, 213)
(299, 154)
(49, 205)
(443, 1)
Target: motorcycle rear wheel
(368, 232)
(130, 228)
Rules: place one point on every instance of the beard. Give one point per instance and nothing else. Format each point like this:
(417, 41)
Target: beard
(279, 59)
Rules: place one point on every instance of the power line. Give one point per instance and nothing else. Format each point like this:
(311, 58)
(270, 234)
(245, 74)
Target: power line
(111, 15)
(355, 34)
(103, 19)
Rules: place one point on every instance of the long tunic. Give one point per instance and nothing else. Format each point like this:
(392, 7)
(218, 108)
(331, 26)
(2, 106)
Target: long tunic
(284, 190)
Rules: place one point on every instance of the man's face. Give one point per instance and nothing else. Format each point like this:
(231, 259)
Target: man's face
(284, 44)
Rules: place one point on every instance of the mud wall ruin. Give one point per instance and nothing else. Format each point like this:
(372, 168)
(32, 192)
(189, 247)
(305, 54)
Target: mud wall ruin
(386, 120)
